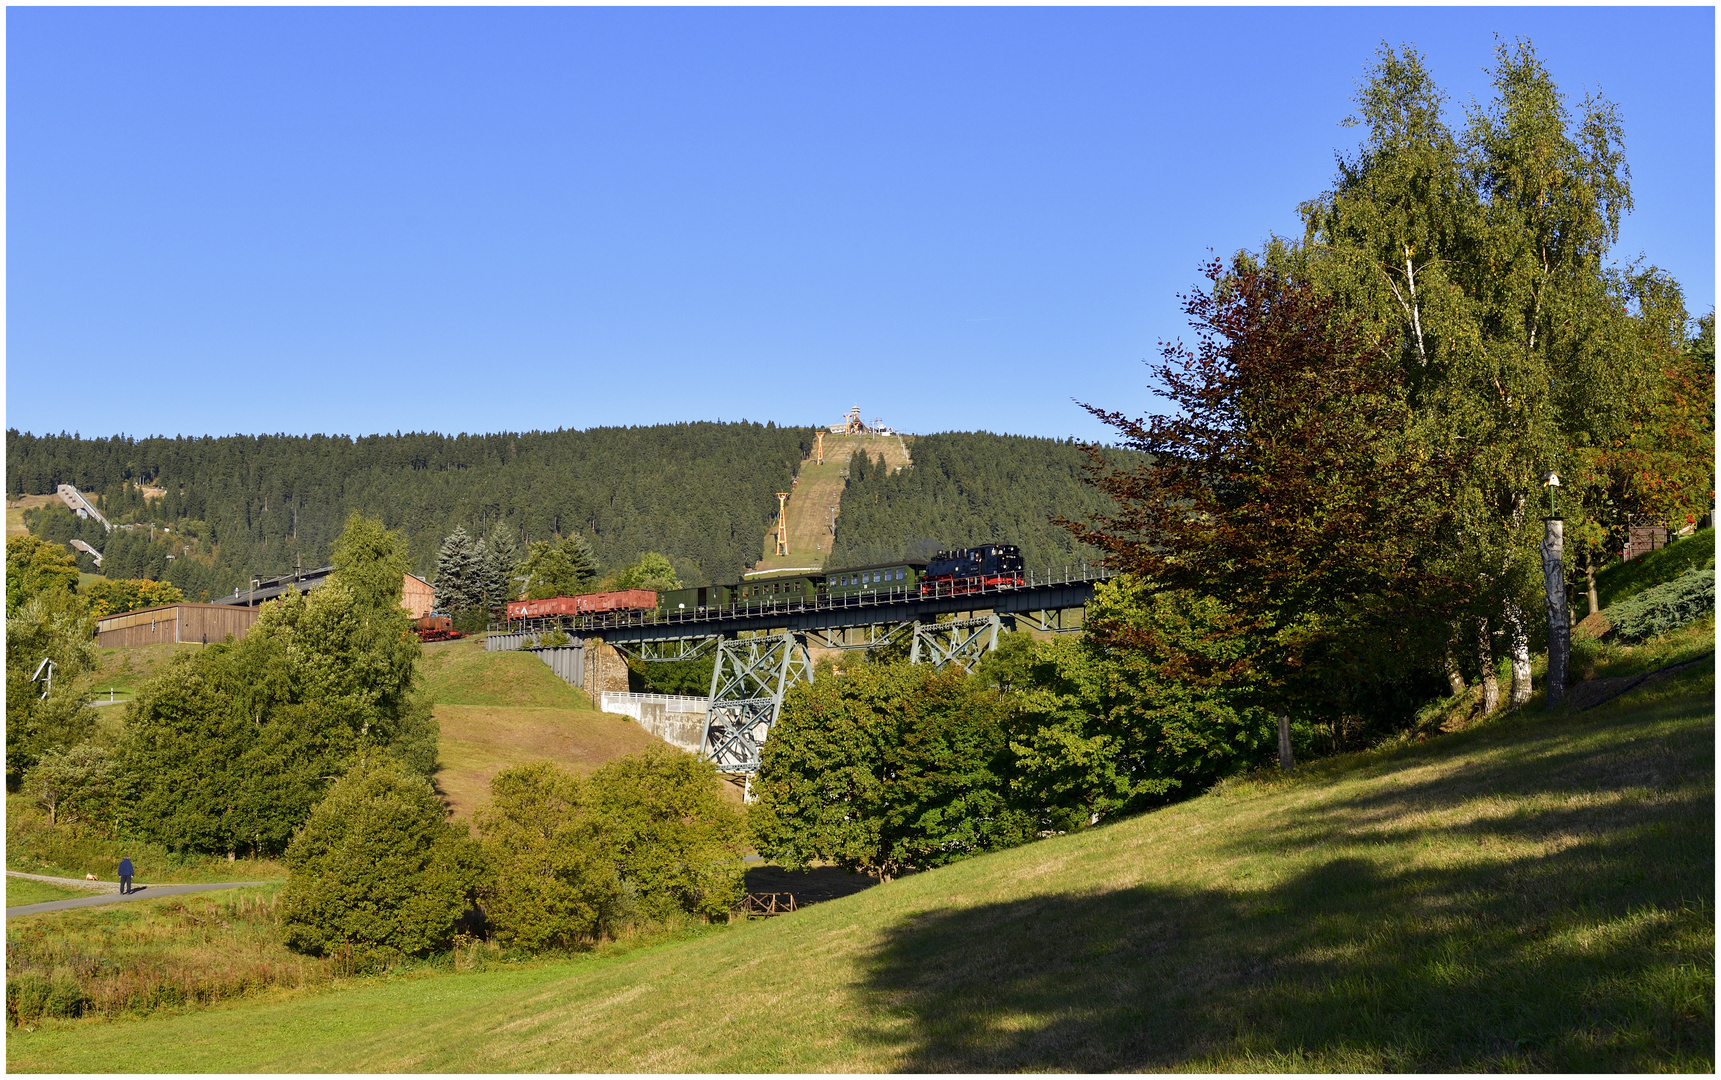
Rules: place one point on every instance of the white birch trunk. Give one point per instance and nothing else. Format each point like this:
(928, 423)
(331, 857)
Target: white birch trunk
(1518, 643)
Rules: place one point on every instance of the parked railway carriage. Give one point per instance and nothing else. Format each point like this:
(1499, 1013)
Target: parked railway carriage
(868, 580)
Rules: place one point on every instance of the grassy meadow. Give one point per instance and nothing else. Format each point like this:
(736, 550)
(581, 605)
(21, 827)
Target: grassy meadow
(123, 671)
(15, 507)
(1533, 893)
(21, 891)
(1623, 580)
(500, 709)
(145, 956)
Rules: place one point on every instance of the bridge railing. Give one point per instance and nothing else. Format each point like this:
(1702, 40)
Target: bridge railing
(1051, 577)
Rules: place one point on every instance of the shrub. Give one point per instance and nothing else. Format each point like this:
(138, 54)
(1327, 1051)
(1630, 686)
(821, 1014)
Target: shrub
(1666, 607)
(883, 768)
(672, 838)
(74, 784)
(377, 870)
(34, 994)
(1135, 712)
(553, 879)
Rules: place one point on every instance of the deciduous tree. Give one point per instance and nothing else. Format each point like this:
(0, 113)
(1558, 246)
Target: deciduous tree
(675, 842)
(553, 880)
(565, 568)
(885, 768)
(377, 870)
(1292, 482)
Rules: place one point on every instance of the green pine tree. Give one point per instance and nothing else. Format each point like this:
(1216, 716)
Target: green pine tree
(458, 583)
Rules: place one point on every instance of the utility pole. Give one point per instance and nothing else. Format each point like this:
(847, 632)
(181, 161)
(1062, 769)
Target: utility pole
(782, 523)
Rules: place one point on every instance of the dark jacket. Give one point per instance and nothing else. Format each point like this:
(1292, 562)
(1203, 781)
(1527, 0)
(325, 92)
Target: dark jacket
(125, 868)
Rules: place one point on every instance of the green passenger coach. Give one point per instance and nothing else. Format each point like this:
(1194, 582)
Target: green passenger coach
(865, 580)
(777, 590)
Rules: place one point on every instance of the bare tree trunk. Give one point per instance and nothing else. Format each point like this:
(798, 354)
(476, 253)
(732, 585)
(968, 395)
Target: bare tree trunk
(1590, 579)
(1518, 642)
(1285, 760)
(1454, 676)
(1485, 657)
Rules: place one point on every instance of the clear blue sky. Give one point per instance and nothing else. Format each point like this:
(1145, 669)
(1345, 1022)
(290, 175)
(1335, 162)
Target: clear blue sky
(363, 220)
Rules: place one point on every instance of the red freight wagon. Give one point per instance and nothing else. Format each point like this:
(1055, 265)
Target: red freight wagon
(589, 604)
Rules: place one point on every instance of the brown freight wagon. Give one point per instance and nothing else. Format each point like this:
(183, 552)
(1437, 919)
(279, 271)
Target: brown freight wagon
(194, 623)
(587, 604)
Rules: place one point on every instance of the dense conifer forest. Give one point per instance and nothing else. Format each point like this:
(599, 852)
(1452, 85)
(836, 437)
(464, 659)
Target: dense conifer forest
(241, 506)
(970, 487)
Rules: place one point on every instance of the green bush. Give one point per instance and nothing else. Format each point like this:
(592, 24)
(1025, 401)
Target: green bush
(885, 768)
(674, 840)
(377, 872)
(553, 878)
(1657, 610)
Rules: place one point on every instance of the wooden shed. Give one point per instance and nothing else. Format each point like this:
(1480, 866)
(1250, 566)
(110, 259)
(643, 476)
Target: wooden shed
(193, 623)
(417, 596)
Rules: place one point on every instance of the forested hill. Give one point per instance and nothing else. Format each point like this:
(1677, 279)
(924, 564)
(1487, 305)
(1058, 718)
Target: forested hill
(700, 493)
(970, 487)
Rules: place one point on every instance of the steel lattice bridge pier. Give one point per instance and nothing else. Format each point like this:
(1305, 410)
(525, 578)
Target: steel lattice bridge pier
(760, 650)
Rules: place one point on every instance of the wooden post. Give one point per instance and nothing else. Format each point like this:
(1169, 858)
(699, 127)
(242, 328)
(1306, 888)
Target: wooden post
(1285, 760)
(1559, 619)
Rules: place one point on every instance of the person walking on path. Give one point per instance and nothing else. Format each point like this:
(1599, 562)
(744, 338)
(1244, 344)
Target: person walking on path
(125, 876)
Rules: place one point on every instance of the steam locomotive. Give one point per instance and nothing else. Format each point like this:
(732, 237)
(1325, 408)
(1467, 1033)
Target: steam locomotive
(970, 568)
(947, 573)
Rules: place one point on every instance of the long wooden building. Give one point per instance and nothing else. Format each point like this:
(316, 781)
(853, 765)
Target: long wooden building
(198, 624)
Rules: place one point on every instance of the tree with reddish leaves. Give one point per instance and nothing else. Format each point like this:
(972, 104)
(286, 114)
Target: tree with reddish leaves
(1291, 484)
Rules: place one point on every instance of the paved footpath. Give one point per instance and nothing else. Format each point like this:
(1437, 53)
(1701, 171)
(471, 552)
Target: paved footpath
(108, 892)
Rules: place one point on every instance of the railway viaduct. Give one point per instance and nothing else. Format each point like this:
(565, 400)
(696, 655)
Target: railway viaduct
(760, 650)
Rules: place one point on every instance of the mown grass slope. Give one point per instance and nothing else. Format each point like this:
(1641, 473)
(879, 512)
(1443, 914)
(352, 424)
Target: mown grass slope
(22, 891)
(498, 709)
(125, 670)
(1534, 893)
(1622, 580)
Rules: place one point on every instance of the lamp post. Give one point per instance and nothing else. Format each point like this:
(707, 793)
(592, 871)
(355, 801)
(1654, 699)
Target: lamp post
(1554, 577)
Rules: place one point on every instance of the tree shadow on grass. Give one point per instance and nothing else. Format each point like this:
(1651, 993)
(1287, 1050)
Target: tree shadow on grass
(1595, 954)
